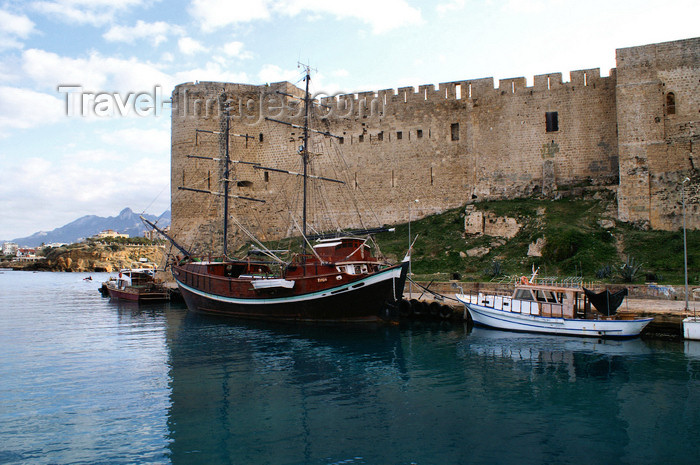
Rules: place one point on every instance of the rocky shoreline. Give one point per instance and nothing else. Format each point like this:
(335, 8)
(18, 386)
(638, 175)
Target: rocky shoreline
(92, 258)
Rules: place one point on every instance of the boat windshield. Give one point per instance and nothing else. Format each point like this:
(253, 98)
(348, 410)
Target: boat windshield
(524, 294)
(546, 296)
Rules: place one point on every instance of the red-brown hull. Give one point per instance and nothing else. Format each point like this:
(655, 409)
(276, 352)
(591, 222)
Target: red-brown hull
(138, 295)
(315, 298)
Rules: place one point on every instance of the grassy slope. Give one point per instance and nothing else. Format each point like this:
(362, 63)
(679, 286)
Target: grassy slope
(576, 244)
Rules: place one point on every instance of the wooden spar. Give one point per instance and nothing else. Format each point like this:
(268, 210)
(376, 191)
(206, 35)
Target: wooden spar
(219, 159)
(221, 194)
(219, 132)
(164, 234)
(259, 167)
(298, 98)
(324, 133)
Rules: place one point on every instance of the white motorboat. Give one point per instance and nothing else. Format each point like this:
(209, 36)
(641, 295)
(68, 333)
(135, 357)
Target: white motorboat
(554, 309)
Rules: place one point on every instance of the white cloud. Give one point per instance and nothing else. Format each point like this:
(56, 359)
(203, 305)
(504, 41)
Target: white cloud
(95, 73)
(189, 46)
(212, 71)
(273, 73)
(451, 6)
(157, 32)
(235, 49)
(108, 169)
(148, 140)
(214, 14)
(55, 193)
(13, 27)
(93, 12)
(381, 16)
(23, 108)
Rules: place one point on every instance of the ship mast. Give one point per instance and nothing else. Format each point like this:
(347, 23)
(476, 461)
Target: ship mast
(226, 176)
(304, 150)
(305, 153)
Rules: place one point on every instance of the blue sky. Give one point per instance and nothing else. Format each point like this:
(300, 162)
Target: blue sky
(57, 167)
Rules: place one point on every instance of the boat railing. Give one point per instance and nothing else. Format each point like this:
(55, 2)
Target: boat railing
(502, 301)
(571, 281)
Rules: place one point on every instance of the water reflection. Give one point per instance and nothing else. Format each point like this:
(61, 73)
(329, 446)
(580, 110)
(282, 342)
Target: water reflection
(577, 357)
(260, 393)
(692, 349)
(283, 394)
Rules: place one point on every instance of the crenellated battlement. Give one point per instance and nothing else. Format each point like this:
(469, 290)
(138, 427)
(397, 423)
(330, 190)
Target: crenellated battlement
(474, 89)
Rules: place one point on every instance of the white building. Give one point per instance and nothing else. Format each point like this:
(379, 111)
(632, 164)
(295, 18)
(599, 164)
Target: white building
(110, 233)
(9, 248)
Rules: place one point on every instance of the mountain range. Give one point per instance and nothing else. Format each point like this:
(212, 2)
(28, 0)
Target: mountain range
(127, 222)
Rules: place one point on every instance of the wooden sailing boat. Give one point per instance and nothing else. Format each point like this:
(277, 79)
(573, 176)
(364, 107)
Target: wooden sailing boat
(337, 280)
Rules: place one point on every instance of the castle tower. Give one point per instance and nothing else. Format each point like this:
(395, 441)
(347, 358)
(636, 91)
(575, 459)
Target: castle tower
(658, 116)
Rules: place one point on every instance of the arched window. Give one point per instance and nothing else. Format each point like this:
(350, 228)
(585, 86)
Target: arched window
(670, 103)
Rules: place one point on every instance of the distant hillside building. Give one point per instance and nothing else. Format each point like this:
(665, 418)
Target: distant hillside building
(634, 132)
(26, 255)
(9, 248)
(109, 233)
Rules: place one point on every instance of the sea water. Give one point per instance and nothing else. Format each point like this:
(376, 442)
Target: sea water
(84, 380)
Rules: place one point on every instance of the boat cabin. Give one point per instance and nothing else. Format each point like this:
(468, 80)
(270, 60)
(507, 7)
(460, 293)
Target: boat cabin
(551, 301)
(344, 249)
(135, 277)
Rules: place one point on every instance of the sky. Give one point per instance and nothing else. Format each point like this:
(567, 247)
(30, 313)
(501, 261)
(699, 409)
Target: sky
(84, 84)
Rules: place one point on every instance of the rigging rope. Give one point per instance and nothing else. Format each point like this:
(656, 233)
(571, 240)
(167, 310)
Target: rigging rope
(264, 249)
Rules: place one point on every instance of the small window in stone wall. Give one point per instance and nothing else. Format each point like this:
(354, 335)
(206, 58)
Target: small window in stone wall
(552, 121)
(380, 136)
(454, 131)
(341, 140)
(361, 138)
(266, 175)
(261, 137)
(670, 103)
(419, 133)
(399, 135)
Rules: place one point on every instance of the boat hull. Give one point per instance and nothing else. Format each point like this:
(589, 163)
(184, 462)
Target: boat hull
(512, 321)
(691, 328)
(138, 295)
(364, 300)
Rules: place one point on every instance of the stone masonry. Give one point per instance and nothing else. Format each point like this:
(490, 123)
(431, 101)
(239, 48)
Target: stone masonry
(464, 141)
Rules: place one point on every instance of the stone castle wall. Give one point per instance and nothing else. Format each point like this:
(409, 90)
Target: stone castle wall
(658, 101)
(444, 147)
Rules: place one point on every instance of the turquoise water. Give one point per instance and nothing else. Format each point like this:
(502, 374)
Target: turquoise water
(85, 380)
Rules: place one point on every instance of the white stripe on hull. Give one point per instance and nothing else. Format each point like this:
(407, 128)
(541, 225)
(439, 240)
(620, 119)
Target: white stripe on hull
(503, 319)
(339, 290)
